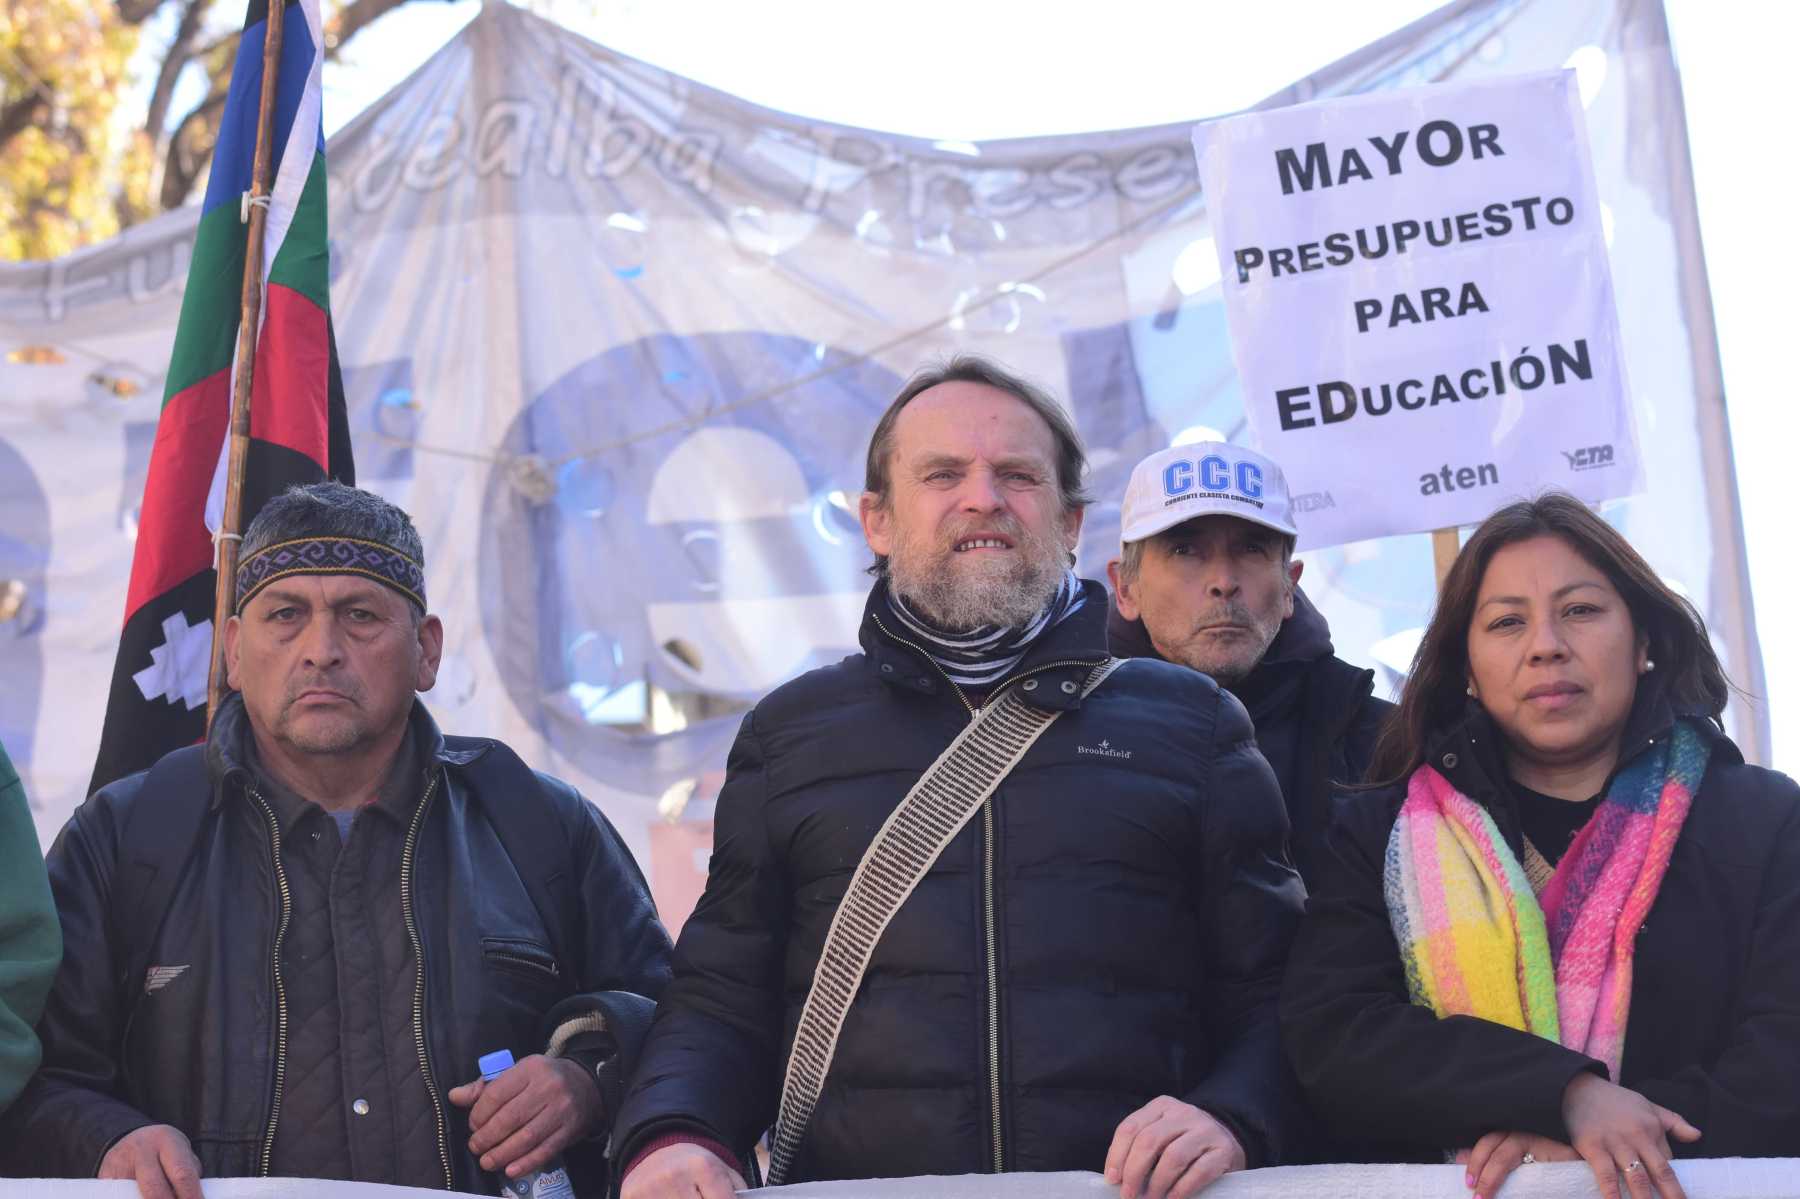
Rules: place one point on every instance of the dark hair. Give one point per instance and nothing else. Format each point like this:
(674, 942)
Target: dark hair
(332, 510)
(1687, 670)
(1071, 461)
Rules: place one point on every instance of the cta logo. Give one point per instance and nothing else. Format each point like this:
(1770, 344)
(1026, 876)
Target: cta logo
(1591, 457)
(1213, 477)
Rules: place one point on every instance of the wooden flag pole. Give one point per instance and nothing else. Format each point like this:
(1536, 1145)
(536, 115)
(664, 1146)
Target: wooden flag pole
(1444, 546)
(256, 214)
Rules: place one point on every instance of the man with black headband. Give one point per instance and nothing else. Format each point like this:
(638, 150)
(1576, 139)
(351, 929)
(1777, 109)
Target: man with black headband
(1062, 946)
(288, 949)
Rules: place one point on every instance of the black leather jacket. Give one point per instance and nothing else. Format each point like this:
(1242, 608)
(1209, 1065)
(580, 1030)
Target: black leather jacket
(203, 1051)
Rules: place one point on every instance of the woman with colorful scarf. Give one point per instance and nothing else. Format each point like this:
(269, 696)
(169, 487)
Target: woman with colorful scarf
(1566, 922)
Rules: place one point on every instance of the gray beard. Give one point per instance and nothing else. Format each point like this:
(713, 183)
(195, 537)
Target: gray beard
(957, 601)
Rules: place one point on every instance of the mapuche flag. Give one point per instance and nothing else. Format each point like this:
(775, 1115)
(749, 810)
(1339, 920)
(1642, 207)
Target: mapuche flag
(298, 427)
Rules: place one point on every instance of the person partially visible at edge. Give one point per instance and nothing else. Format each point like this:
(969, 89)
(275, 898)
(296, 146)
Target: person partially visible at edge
(1568, 925)
(30, 938)
(1206, 578)
(350, 932)
(1086, 977)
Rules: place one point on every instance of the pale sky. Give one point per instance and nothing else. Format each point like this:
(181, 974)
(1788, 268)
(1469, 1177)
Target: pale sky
(1003, 68)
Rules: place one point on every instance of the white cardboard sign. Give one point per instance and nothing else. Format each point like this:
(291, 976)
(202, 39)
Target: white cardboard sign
(1420, 304)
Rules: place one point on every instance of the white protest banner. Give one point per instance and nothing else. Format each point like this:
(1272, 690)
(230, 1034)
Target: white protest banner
(1724, 1178)
(1420, 304)
(567, 285)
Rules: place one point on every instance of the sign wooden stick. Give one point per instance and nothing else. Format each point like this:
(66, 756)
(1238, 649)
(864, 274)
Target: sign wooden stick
(1444, 546)
(257, 217)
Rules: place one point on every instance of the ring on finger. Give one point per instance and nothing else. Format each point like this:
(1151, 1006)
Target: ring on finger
(1528, 1160)
(1634, 1165)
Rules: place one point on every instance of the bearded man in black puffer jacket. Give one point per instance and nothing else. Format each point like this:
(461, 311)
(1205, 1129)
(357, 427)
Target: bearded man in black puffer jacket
(1085, 979)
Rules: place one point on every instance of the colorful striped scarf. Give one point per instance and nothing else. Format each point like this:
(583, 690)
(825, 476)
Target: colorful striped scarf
(1476, 941)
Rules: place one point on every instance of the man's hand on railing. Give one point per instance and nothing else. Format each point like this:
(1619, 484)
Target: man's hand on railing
(682, 1171)
(1168, 1149)
(159, 1158)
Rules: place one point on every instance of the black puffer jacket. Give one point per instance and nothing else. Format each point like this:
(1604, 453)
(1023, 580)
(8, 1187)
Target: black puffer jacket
(1714, 1026)
(200, 1050)
(1316, 715)
(1137, 919)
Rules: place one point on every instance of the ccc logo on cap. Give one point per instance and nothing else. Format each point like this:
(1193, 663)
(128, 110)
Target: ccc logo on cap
(1213, 473)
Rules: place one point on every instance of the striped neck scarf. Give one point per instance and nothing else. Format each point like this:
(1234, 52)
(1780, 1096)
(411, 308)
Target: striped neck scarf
(982, 657)
(1476, 941)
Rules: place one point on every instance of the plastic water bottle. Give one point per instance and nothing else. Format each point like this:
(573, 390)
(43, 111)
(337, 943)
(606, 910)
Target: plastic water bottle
(552, 1182)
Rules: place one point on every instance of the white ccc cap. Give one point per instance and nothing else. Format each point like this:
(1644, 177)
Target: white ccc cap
(1206, 478)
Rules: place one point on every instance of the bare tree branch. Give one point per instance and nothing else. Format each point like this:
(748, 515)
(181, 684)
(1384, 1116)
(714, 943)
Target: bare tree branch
(352, 18)
(19, 114)
(180, 52)
(191, 144)
(213, 47)
(188, 151)
(135, 12)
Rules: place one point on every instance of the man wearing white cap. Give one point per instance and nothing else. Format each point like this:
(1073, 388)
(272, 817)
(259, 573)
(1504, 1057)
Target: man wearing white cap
(1206, 578)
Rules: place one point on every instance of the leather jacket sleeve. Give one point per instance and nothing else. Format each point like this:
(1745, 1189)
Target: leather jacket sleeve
(624, 964)
(1747, 1102)
(72, 1111)
(710, 1061)
(1253, 902)
(1375, 1066)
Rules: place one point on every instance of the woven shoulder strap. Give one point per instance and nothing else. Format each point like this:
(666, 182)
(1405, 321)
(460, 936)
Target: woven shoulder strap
(944, 799)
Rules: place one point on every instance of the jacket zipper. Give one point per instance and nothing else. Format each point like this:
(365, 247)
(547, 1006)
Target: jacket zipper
(1057, 665)
(987, 882)
(993, 937)
(993, 974)
(418, 948)
(549, 968)
(281, 1011)
(972, 709)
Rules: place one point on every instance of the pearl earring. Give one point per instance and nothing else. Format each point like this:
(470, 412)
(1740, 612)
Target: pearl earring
(1471, 690)
(1649, 665)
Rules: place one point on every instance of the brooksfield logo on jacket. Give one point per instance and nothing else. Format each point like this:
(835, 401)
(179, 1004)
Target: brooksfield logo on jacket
(1104, 749)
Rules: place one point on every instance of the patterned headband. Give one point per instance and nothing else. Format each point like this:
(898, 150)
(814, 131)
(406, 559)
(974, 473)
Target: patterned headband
(330, 556)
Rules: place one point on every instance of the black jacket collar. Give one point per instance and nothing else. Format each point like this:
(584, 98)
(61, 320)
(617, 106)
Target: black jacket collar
(1468, 752)
(1065, 653)
(227, 759)
(1303, 639)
